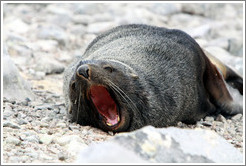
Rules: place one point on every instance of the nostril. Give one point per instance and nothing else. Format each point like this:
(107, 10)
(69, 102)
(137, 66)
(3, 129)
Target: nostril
(83, 71)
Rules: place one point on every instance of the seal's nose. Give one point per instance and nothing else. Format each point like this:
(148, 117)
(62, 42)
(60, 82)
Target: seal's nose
(83, 71)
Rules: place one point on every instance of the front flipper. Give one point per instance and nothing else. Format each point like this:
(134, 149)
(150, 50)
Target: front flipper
(218, 92)
(230, 76)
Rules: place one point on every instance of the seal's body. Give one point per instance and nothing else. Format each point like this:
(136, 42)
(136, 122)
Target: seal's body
(137, 75)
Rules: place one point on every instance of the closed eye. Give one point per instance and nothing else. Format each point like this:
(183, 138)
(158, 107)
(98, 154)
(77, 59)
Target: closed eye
(108, 68)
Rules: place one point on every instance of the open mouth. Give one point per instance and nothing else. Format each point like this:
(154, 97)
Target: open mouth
(104, 104)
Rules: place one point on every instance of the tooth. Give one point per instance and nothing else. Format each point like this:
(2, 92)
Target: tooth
(109, 124)
(118, 118)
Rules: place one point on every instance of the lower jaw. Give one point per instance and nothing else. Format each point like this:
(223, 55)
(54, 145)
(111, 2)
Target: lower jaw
(122, 126)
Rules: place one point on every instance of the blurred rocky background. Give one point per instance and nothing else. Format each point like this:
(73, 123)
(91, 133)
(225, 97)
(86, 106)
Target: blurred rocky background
(40, 40)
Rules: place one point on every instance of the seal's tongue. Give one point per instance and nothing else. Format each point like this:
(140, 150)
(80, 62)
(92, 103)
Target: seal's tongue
(104, 103)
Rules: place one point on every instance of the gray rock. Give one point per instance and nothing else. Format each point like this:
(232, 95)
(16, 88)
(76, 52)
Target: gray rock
(45, 139)
(100, 27)
(108, 152)
(12, 140)
(199, 31)
(48, 64)
(61, 125)
(8, 111)
(164, 8)
(209, 119)
(235, 46)
(11, 124)
(237, 117)
(47, 45)
(221, 118)
(195, 9)
(11, 25)
(206, 123)
(22, 121)
(32, 138)
(89, 8)
(52, 32)
(14, 86)
(221, 42)
(167, 145)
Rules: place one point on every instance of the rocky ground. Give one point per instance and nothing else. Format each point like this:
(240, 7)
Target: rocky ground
(42, 39)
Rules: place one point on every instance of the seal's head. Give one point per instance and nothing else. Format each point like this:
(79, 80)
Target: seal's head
(101, 94)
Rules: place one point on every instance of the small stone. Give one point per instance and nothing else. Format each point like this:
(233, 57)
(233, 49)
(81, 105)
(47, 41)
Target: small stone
(237, 117)
(164, 8)
(232, 131)
(52, 32)
(239, 129)
(11, 124)
(32, 138)
(22, 27)
(75, 146)
(206, 124)
(40, 74)
(61, 125)
(219, 124)
(63, 140)
(97, 28)
(45, 139)
(43, 124)
(32, 155)
(22, 121)
(45, 157)
(7, 113)
(13, 140)
(110, 133)
(221, 118)
(209, 119)
(21, 115)
(62, 157)
(228, 121)
(43, 107)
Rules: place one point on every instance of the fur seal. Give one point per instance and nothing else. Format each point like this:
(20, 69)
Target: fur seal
(136, 75)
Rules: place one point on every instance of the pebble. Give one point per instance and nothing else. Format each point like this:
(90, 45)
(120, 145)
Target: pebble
(45, 139)
(7, 113)
(22, 121)
(237, 117)
(62, 156)
(206, 123)
(52, 32)
(209, 118)
(11, 124)
(13, 23)
(97, 28)
(61, 125)
(32, 138)
(63, 140)
(221, 118)
(12, 140)
(43, 124)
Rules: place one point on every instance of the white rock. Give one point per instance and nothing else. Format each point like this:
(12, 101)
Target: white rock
(45, 138)
(12, 140)
(16, 25)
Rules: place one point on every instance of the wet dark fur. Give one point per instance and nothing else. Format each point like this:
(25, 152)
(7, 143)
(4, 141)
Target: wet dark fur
(163, 76)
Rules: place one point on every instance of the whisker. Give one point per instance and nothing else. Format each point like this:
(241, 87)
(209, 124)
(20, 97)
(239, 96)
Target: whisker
(123, 95)
(79, 103)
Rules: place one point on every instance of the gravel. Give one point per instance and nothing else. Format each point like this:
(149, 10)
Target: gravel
(49, 36)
